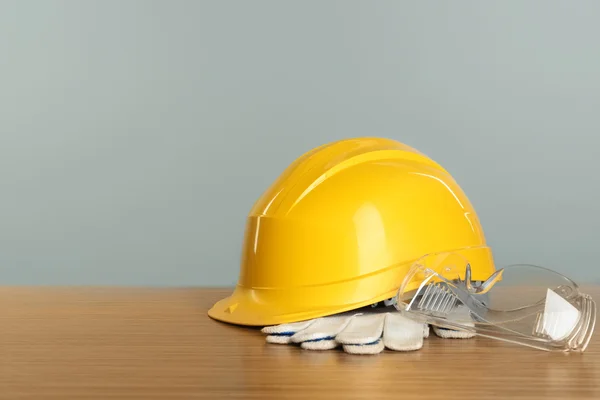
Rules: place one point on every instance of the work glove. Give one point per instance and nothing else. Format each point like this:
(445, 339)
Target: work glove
(366, 332)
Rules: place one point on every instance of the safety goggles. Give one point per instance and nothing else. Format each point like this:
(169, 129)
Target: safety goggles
(523, 304)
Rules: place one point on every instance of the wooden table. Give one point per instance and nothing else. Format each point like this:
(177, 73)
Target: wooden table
(122, 343)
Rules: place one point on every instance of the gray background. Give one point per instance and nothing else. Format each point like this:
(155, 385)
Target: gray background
(135, 135)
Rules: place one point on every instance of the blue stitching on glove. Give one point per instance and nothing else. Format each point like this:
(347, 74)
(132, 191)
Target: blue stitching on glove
(320, 339)
(364, 344)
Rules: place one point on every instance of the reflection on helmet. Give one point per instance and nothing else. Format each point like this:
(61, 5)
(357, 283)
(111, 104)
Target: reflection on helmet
(340, 228)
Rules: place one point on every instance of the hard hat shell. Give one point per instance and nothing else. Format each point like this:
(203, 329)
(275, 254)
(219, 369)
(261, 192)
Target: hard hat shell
(339, 230)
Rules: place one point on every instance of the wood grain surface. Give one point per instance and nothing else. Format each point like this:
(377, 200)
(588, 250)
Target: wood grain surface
(123, 343)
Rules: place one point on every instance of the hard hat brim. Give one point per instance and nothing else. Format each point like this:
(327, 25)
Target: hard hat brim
(262, 306)
(242, 308)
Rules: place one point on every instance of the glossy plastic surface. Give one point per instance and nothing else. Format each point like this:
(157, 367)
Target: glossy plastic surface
(523, 304)
(340, 228)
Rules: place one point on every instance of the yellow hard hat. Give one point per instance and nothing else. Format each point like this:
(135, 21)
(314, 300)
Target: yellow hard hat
(339, 229)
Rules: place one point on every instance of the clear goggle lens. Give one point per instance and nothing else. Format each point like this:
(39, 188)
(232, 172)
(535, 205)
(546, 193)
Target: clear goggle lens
(523, 304)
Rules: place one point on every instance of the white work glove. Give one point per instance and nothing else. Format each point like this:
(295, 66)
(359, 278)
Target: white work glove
(459, 313)
(365, 332)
